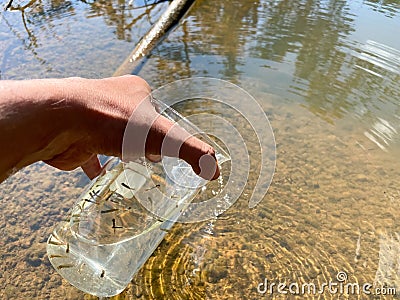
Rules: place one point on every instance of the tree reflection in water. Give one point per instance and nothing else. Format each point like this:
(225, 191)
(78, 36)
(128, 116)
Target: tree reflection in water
(314, 38)
(38, 18)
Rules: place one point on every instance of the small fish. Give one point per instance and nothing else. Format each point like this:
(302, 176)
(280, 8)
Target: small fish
(126, 186)
(115, 201)
(114, 226)
(174, 197)
(64, 266)
(67, 249)
(221, 217)
(100, 184)
(108, 197)
(93, 194)
(81, 206)
(163, 229)
(75, 220)
(91, 201)
(51, 242)
(118, 198)
(56, 256)
(81, 268)
(156, 186)
(109, 210)
(102, 273)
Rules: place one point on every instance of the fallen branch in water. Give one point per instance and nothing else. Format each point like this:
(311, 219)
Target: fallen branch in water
(8, 5)
(172, 15)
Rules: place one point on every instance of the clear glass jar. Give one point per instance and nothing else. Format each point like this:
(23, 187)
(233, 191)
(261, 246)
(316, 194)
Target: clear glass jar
(122, 217)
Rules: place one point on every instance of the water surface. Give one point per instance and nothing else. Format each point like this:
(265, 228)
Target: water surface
(327, 75)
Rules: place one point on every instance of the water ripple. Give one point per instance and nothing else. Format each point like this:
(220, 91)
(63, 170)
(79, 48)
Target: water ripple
(381, 133)
(380, 55)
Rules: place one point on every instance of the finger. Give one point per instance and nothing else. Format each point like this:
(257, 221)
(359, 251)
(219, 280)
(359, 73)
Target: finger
(169, 139)
(92, 167)
(201, 157)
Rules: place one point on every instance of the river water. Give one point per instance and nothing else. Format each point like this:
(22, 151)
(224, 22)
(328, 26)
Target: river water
(326, 73)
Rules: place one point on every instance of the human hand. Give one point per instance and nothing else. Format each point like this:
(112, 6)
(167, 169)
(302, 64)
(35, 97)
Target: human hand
(98, 113)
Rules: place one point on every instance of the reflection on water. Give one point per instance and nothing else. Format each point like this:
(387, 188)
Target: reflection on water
(381, 56)
(52, 38)
(388, 7)
(327, 75)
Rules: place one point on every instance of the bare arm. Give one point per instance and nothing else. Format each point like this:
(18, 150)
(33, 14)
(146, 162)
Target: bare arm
(67, 122)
